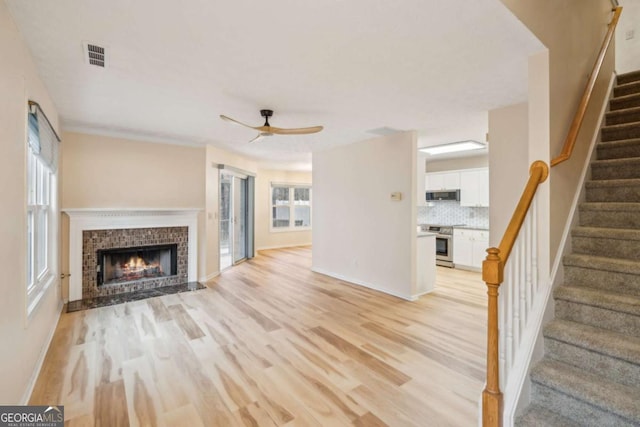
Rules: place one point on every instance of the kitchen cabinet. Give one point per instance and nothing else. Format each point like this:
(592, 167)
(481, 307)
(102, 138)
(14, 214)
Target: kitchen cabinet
(470, 248)
(435, 181)
(474, 187)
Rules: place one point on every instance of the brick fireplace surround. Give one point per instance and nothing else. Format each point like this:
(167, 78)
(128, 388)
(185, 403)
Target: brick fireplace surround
(92, 229)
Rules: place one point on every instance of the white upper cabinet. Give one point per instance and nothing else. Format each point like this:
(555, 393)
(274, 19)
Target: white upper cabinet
(474, 187)
(437, 181)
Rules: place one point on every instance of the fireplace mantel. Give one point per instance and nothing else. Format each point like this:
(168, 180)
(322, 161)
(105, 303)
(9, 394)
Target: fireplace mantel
(81, 220)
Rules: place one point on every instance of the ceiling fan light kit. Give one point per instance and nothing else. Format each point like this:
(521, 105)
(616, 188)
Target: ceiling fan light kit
(268, 130)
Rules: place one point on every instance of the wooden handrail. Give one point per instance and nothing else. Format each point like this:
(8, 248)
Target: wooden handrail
(570, 141)
(493, 274)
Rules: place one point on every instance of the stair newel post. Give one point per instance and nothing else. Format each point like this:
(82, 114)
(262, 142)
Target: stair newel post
(492, 274)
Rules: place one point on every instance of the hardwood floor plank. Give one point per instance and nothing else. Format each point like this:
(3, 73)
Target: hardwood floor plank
(270, 343)
(375, 365)
(111, 405)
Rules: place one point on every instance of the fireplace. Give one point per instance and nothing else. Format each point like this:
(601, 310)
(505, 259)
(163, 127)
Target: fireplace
(94, 231)
(122, 265)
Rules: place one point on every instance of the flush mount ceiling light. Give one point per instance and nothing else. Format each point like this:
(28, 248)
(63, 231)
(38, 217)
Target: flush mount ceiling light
(453, 147)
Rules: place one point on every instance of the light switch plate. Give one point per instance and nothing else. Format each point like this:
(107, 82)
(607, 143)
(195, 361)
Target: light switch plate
(396, 196)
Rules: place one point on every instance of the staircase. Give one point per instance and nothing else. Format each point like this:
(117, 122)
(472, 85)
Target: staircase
(590, 373)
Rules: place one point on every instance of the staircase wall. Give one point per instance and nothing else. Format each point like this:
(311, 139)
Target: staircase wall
(572, 31)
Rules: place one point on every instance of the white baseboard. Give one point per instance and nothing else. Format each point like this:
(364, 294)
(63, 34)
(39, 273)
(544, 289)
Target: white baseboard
(523, 366)
(365, 284)
(267, 248)
(43, 353)
(211, 276)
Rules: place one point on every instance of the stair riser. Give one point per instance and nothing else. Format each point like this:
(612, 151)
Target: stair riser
(578, 410)
(612, 368)
(609, 219)
(614, 194)
(622, 118)
(602, 246)
(621, 283)
(616, 321)
(619, 133)
(607, 151)
(624, 170)
(628, 89)
(621, 104)
(628, 78)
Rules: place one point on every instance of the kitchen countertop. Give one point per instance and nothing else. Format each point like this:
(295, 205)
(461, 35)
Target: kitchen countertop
(425, 234)
(469, 227)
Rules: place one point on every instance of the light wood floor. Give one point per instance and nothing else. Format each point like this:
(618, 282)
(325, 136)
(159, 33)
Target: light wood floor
(271, 343)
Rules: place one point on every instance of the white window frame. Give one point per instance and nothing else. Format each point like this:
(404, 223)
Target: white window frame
(41, 201)
(41, 250)
(291, 187)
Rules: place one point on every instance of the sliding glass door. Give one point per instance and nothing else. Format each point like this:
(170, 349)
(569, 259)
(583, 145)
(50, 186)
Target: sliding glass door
(236, 219)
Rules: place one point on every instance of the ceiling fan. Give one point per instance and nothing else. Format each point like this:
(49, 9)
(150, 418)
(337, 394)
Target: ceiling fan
(268, 130)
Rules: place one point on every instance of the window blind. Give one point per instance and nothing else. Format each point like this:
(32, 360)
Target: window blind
(43, 140)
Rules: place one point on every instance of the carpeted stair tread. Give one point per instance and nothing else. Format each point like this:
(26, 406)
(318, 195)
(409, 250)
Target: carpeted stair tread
(622, 116)
(619, 346)
(538, 416)
(613, 183)
(616, 233)
(610, 206)
(627, 101)
(628, 77)
(626, 88)
(615, 168)
(613, 190)
(622, 131)
(619, 303)
(609, 233)
(604, 263)
(594, 390)
(619, 149)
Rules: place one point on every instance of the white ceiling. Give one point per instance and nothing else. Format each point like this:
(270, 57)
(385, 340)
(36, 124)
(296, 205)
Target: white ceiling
(351, 66)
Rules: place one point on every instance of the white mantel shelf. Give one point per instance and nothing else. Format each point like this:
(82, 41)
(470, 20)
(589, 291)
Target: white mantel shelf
(81, 220)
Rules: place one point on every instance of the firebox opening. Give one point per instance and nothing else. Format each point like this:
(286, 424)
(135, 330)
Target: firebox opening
(139, 263)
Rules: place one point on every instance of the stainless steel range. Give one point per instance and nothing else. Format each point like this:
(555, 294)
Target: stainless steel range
(444, 243)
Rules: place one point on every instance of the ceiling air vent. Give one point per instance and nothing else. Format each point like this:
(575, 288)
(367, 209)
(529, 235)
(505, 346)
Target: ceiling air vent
(95, 55)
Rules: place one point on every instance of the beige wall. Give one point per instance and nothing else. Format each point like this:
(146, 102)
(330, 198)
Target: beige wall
(572, 31)
(23, 341)
(457, 163)
(359, 233)
(509, 136)
(104, 172)
(265, 238)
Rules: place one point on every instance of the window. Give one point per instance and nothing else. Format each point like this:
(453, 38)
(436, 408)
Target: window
(290, 207)
(41, 194)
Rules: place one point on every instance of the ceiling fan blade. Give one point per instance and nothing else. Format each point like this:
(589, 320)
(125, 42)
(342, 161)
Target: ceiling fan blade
(257, 138)
(295, 131)
(229, 119)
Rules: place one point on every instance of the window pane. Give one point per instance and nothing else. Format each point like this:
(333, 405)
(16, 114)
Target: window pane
(281, 216)
(301, 196)
(45, 184)
(42, 241)
(303, 216)
(29, 249)
(280, 196)
(31, 178)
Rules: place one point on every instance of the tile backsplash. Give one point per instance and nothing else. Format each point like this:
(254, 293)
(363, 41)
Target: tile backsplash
(449, 212)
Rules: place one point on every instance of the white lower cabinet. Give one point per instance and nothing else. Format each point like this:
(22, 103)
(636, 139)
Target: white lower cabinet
(470, 248)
